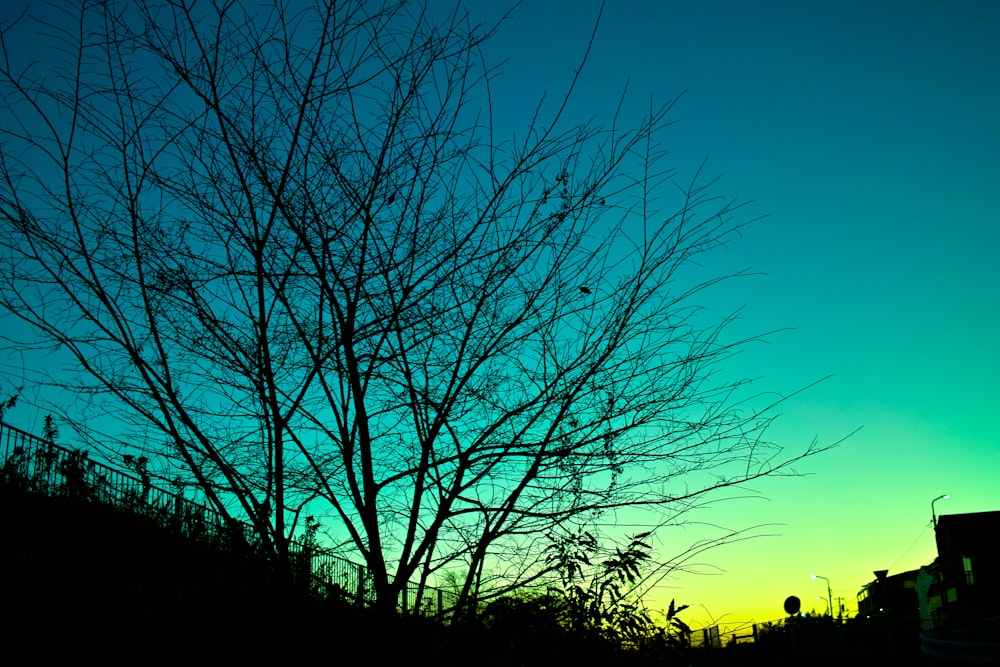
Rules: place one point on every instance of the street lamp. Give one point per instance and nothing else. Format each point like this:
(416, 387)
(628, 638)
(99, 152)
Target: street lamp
(829, 594)
(933, 515)
(820, 597)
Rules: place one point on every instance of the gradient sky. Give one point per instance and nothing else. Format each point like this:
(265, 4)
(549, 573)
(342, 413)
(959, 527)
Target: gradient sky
(868, 133)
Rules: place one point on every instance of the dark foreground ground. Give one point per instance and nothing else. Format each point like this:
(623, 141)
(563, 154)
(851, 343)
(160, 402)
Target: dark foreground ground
(84, 583)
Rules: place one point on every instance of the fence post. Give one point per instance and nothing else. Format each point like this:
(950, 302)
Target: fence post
(360, 593)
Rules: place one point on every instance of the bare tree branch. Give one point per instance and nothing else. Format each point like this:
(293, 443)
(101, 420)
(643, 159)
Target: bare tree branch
(291, 259)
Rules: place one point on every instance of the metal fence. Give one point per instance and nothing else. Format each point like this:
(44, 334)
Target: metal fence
(35, 465)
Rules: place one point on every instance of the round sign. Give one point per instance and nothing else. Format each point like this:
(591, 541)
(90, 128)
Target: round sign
(792, 605)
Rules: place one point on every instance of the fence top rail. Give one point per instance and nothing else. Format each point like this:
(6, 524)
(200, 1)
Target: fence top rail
(4, 426)
(13, 438)
(38, 442)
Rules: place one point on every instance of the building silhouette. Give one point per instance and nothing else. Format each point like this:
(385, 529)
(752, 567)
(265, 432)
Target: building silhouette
(894, 595)
(949, 607)
(962, 586)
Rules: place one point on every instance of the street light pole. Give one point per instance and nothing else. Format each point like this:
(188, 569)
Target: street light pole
(933, 515)
(829, 594)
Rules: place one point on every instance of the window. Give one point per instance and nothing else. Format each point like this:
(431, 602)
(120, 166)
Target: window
(967, 567)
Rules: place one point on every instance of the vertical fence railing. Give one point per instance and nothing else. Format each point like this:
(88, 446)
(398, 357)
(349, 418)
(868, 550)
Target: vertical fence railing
(34, 465)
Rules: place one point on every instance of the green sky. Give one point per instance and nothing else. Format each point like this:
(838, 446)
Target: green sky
(867, 133)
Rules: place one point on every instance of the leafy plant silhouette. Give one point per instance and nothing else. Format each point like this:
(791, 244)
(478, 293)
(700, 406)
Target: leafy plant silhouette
(598, 600)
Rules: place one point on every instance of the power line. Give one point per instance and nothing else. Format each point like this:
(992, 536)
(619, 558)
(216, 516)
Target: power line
(909, 548)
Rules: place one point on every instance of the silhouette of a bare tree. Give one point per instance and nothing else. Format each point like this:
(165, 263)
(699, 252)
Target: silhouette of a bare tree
(293, 263)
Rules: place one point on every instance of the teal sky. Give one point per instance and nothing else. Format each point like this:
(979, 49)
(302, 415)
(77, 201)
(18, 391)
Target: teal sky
(869, 134)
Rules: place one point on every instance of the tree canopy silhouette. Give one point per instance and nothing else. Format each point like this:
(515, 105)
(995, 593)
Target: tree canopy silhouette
(296, 266)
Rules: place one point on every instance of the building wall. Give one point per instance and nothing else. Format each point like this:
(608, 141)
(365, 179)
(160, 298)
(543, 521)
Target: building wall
(967, 569)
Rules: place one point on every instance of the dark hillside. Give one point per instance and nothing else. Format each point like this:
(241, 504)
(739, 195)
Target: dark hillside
(85, 577)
